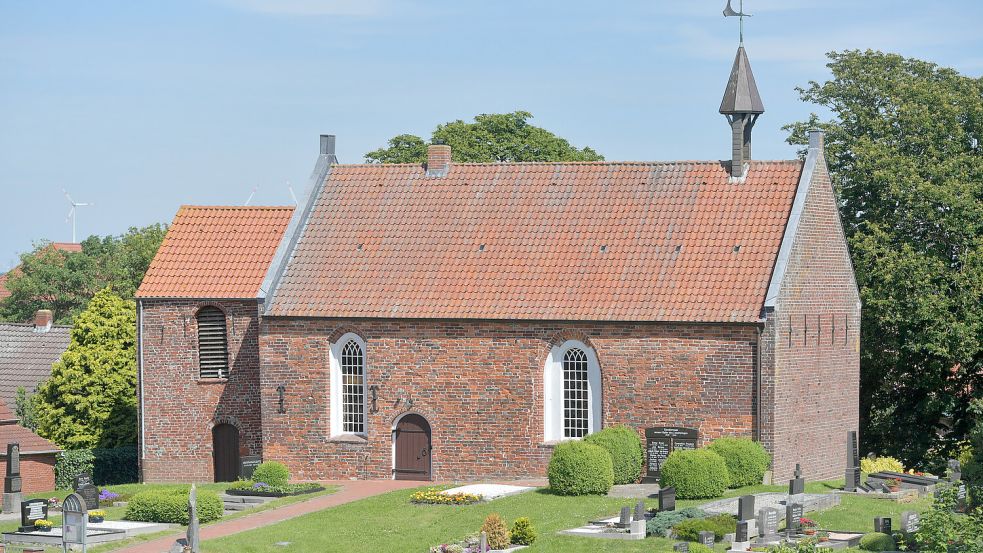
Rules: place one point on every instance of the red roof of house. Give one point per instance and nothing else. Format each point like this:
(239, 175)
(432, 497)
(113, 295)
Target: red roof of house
(63, 246)
(11, 432)
(674, 241)
(215, 252)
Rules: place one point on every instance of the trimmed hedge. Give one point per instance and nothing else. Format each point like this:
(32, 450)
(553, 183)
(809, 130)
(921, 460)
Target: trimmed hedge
(272, 472)
(171, 506)
(695, 473)
(876, 541)
(108, 466)
(720, 525)
(747, 461)
(625, 448)
(580, 468)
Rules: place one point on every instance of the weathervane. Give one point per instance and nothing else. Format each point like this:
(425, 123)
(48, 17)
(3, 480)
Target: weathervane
(729, 12)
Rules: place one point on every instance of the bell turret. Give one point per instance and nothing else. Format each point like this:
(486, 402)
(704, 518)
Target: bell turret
(741, 106)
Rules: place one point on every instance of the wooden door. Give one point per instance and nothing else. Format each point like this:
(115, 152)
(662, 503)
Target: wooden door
(225, 452)
(412, 437)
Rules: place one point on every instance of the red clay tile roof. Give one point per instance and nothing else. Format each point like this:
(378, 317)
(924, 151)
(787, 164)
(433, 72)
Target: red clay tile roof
(556, 241)
(215, 252)
(11, 432)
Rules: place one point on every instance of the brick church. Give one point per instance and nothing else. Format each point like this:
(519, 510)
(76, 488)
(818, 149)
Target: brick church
(454, 321)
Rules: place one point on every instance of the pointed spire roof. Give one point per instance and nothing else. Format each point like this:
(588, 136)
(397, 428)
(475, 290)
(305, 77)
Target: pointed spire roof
(741, 95)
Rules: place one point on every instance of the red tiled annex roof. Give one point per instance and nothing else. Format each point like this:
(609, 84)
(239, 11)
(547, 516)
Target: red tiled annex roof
(11, 432)
(215, 252)
(552, 241)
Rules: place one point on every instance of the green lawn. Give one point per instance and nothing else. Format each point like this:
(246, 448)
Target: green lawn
(390, 523)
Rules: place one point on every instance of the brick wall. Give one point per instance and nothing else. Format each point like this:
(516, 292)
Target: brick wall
(180, 408)
(479, 383)
(37, 472)
(810, 351)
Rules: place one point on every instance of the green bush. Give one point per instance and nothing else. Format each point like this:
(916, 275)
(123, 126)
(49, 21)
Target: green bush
(71, 463)
(171, 506)
(108, 466)
(699, 548)
(579, 468)
(695, 473)
(522, 532)
(625, 448)
(496, 532)
(876, 541)
(747, 461)
(272, 473)
(720, 525)
(660, 524)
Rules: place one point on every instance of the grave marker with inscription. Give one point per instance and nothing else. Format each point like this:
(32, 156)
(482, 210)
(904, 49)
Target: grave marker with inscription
(742, 534)
(911, 522)
(745, 507)
(660, 441)
(852, 474)
(248, 464)
(793, 516)
(706, 538)
(681, 547)
(960, 506)
(882, 525)
(74, 521)
(31, 510)
(12, 481)
(768, 522)
(667, 499)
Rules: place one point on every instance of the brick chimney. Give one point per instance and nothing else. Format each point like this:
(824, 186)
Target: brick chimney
(438, 160)
(43, 318)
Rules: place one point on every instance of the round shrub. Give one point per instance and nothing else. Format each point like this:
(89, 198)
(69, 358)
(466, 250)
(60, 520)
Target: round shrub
(522, 532)
(171, 506)
(695, 473)
(579, 468)
(625, 448)
(876, 541)
(663, 521)
(272, 473)
(496, 531)
(880, 464)
(720, 525)
(747, 461)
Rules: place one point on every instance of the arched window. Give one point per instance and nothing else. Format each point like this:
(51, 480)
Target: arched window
(348, 386)
(571, 392)
(213, 346)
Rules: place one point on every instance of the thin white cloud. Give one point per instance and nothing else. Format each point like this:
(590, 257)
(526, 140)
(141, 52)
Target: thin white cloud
(312, 7)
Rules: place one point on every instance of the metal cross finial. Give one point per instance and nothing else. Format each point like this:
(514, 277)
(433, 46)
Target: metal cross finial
(729, 12)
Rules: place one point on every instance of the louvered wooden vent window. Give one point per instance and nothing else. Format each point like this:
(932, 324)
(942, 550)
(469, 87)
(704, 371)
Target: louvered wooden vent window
(213, 348)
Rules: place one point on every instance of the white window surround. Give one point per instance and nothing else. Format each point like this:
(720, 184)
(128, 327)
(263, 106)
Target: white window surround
(335, 414)
(553, 391)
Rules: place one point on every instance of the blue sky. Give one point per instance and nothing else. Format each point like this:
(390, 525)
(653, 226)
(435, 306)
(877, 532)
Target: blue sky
(139, 107)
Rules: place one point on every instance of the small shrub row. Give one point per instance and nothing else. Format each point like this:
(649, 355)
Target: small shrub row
(661, 524)
(434, 496)
(720, 525)
(171, 506)
(108, 466)
(262, 488)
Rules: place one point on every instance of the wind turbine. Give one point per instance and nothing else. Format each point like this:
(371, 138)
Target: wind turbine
(292, 195)
(71, 212)
(251, 194)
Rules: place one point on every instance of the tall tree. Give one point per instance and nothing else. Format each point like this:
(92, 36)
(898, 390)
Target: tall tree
(65, 281)
(90, 398)
(490, 138)
(904, 149)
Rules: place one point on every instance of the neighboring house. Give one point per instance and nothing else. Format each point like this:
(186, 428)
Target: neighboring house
(27, 351)
(37, 455)
(59, 246)
(455, 321)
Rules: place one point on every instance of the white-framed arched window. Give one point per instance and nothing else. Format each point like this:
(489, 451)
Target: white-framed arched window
(571, 392)
(348, 386)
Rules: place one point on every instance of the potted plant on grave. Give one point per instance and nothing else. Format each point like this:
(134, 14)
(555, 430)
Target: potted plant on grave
(97, 515)
(893, 484)
(822, 536)
(42, 525)
(808, 526)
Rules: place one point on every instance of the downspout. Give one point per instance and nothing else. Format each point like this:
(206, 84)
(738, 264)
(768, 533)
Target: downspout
(757, 387)
(140, 385)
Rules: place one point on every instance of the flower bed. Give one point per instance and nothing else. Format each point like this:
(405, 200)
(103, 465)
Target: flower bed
(262, 489)
(433, 496)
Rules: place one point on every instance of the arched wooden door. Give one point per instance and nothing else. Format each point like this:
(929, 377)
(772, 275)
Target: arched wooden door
(225, 452)
(412, 448)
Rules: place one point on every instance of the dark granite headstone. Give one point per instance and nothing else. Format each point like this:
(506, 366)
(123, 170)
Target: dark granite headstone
(90, 494)
(767, 522)
(624, 521)
(960, 506)
(640, 510)
(852, 451)
(31, 510)
(667, 499)
(745, 507)
(798, 471)
(742, 532)
(911, 522)
(852, 476)
(706, 538)
(797, 486)
(793, 516)
(12, 480)
(248, 464)
(681, 547)
(882, 525)
(660, 441)
(82, 479)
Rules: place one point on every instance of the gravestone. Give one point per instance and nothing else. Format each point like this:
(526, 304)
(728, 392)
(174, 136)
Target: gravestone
(624, 521)
(31, 510)
(640, 510)
(90, 494)
(852, 473)
(883, 525)
(483, 542)
(248, 464)
(793, 517)
(960, 506)
(911, 522)
(955, 470)
(12, 480)
(797, 486)
(852, 476)
(194, 536)
(706, 538)
(82, 479)
(742, 535)
(745, 507)
(681, 547)
(667, 499)
(74, 521)
(660, 441)
(768, 522)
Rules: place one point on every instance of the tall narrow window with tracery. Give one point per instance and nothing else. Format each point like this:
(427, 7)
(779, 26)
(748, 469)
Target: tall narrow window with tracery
(353, 388)
(576, 397)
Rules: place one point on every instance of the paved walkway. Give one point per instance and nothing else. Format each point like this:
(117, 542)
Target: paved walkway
(349, 491)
